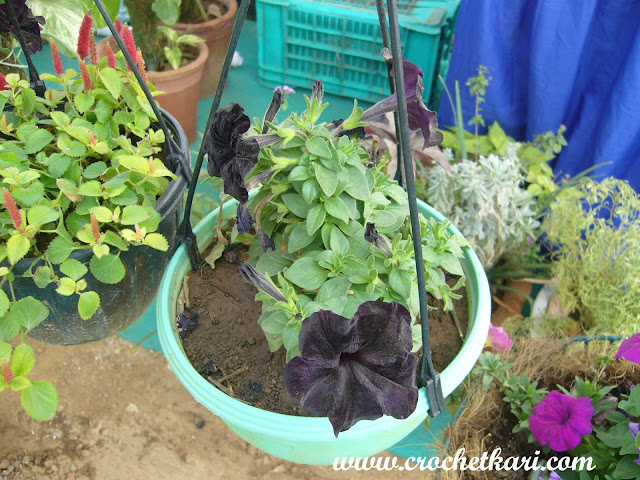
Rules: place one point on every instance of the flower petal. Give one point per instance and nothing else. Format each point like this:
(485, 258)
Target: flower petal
(630, 349)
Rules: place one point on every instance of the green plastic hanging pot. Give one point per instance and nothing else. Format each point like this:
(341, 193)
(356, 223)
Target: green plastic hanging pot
(310, 440)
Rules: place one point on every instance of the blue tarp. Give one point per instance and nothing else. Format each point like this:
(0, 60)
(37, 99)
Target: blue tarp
(552, 62)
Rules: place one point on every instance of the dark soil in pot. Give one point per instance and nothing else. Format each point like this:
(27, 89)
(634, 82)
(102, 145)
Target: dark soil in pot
(229, 348)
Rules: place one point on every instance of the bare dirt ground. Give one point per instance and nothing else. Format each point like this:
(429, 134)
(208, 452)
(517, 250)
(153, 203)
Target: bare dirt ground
(124, 415)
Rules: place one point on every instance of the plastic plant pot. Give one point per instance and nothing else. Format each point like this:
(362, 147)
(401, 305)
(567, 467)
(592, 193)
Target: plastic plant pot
(123, 303)
(310, 440)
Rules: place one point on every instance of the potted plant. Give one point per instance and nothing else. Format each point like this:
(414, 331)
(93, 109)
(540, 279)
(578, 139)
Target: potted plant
(332, 229)
(174, 62)
(209, 19)
(575, 402)
(90, 207)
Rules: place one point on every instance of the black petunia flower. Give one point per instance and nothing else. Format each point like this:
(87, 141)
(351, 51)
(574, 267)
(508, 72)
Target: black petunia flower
(29, 24)
(420, 117)
(231, 156)
(355, 369)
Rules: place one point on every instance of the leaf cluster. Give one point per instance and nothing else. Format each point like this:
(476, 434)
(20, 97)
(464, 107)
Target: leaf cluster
(595, 228)
(79, 171)
(315, 204)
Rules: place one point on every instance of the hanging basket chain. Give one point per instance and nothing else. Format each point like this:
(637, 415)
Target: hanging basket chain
(36, 82)
(429, 377)
(386, 43)
(186, 234)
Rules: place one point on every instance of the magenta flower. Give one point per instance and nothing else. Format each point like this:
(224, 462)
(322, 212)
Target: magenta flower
(561, 420)
(553, 476)
(499, 339)
(630, 349)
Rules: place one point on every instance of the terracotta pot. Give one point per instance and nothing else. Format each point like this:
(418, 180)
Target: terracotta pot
(181, 87)
(217, 34)
(511, 303)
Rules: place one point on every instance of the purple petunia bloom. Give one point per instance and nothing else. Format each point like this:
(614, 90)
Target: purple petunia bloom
(358, 368)
(630, 349)
(232, 156)
(561, 420)
(420, 117)
(635, 429)
(28, 22)
(553, 476)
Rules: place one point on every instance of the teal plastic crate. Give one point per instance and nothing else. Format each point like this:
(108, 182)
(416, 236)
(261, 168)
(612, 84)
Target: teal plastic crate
(339, 41)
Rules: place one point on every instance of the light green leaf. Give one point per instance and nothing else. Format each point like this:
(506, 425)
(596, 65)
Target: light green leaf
(451, 264)
(94, 170)
(157, 241)
(290, 336)
(107, 269)
(357, 187)
(28, 312)
(338, 241)
(4, 303)
(59, 250)
(296, 203)
(28, 101)
(5, 351)
(43, 276)
(73, 268)
(318, 146)
(299, 238)
(101, 250)
(112, 79)
(20, 383)
(133, 214)
(92, 188)
(174, 56)
(36, 142)
(9, 327)
(327, 179)
(400, 281)
(333, 288)
(66, 286)
(337, 208)
(215, 254)
(306, 273)
(315, 219)
(40, 400)
(103, 214)
(83, 102)
(88, 304)
(23, 360)
(167, 11)
(63, 22)
(17, 248)
(41, 215)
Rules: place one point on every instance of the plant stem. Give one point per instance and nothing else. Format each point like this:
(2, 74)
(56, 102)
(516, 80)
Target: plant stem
(219, 222)
(203, 12)
(477, 140)
(460, 124)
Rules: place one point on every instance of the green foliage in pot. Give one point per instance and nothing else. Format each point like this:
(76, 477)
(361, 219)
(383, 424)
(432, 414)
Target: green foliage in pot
(160, 45)
(80, 170)
(333, 230)
(596, 229)
(496, 188)
(316, 205)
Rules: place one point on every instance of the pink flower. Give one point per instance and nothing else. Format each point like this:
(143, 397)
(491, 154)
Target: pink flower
(83, 37)
(499, 339)
(93, 49)
(86, 78)
(630, 349)
(3, 83)
(55, 56)
(635, 429)
(119, 26)
(111, 58)
(561, 420)
(129, 42)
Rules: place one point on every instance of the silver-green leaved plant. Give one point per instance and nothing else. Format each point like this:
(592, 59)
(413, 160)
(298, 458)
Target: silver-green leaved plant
(486, 201)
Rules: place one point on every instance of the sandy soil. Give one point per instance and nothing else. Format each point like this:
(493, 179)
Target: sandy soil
(124, 415)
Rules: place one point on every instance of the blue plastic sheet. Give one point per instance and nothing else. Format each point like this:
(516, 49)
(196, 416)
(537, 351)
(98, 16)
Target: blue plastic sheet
(553, 62)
